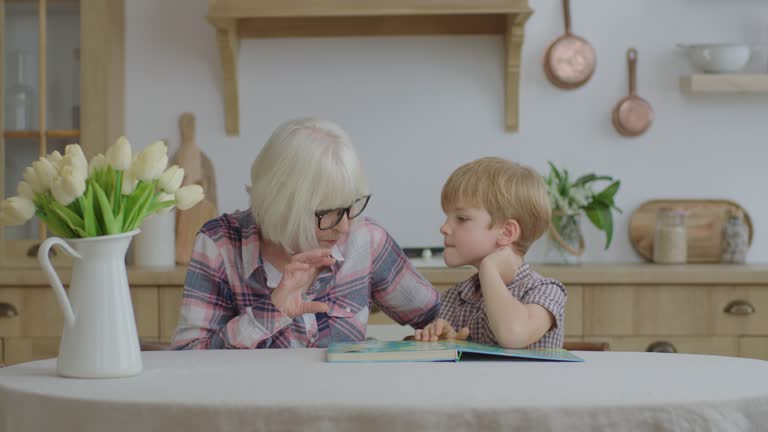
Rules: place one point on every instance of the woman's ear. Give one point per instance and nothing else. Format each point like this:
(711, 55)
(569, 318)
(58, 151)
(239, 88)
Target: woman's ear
(509, 233)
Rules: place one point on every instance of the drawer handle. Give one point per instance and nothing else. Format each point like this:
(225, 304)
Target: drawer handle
(661, 347)
(8, 310)
(740, 308)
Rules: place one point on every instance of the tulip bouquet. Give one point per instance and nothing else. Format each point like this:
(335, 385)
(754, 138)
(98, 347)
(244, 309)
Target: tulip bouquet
(112, 194)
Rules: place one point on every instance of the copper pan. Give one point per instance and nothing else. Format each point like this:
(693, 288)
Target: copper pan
(570, 60)
(633, 115)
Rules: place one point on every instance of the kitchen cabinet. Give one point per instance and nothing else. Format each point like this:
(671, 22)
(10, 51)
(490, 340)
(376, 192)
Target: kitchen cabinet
(62, 63)
(703, 308)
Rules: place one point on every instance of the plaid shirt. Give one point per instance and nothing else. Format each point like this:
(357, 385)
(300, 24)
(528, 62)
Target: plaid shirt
(227, 302)
(463, 306)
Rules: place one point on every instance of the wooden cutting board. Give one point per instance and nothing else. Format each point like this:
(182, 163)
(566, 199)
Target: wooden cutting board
(704, 221)
(198, 169)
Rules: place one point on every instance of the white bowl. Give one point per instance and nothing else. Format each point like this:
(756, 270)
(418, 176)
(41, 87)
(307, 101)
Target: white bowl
(718, 58)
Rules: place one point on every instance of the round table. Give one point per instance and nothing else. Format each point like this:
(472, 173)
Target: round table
(296, 389)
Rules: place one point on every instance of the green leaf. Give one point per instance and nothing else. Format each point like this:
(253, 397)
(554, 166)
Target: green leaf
(608, 193)
(72, 219)
(159, 205)
(590, 178)
(89, 217)
(602, 218)
(117, 203)
(144, 209)
(56, 226)
(555, 171)
(137, 204)
(106, 211)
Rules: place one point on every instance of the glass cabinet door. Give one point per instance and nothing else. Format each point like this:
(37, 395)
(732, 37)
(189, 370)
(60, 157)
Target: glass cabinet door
(41, 95)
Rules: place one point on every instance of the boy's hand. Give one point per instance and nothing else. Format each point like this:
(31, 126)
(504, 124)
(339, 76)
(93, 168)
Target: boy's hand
(504, 261)
(440, 329)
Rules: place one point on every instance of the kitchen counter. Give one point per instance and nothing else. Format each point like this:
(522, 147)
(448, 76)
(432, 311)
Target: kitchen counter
(637, 274)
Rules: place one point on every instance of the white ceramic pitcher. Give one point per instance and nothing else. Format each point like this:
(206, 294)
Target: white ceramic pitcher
(100, 338)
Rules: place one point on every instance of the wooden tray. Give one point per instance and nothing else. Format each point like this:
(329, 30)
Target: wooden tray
(704, 221)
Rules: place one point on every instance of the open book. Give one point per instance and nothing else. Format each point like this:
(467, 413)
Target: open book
(372, 350)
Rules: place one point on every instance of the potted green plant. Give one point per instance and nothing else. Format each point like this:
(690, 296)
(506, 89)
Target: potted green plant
(570, 199)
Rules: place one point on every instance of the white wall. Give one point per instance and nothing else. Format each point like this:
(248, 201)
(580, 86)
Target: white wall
(417, 107)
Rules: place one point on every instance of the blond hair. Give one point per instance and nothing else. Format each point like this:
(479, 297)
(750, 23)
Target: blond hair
(306, 165)
(506, 190)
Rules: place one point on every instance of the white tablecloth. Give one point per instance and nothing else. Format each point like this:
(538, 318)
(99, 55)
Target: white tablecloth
(276, 390)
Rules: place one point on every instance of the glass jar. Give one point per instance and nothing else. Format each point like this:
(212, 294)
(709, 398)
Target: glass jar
(670, 241)
(735, 239)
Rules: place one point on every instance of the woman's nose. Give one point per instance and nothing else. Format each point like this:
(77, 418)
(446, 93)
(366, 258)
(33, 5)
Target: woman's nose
(343, 226)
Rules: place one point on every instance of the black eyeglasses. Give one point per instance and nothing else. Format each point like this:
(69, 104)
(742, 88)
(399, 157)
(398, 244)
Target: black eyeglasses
(327, 219)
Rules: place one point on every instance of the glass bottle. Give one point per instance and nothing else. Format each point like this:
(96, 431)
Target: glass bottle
(76, 92)
(21, 102)
(670, 241)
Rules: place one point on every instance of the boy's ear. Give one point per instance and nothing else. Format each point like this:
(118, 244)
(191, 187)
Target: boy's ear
(510, 232)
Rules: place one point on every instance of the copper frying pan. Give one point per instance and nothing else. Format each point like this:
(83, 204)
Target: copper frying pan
(570, 60)
(632, 116)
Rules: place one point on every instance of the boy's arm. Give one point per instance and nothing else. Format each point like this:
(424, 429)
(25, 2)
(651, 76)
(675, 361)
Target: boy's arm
(514, 324)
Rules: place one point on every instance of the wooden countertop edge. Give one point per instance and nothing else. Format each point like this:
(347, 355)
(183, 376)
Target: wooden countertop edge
(586, 274)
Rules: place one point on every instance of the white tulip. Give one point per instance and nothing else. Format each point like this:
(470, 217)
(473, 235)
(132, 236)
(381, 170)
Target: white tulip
(16, 211)
(45, 172)
(55, 159)
(188, 196)
(171, 179)
(119, 154)
(98, 162)
(30, 176)
(150, 162)
(69, 186)
(74, 157)
(25, 190)
(165, 197)
(129, 183)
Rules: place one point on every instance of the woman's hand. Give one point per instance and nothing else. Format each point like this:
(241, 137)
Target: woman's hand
(440, 329)
(298, 276)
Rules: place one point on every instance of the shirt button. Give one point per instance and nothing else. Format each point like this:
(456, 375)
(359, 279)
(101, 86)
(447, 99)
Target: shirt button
(348, 310)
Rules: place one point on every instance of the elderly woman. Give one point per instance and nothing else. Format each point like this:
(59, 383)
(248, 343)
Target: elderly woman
(301, 267)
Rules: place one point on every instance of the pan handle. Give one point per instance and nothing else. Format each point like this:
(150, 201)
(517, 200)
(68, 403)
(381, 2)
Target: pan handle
(632, 63)
(567, 16)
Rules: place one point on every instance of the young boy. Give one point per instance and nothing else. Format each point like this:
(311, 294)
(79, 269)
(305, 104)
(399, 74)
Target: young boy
(495, 209)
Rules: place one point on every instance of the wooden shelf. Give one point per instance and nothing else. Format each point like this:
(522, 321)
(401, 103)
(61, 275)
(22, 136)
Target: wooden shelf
(61, 133)
(725, 83)
(235, 20)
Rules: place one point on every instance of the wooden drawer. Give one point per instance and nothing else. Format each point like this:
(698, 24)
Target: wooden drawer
(20, 350)
(754, 347)
(740, 310)
(574, 325)
(39, 315)
(647, 310)
(717, 345)
(37, 312)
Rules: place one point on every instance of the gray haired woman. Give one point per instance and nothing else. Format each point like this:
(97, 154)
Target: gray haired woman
(300, 267)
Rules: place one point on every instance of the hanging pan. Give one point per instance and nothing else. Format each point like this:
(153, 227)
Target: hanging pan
(632, 116)
(570, 60)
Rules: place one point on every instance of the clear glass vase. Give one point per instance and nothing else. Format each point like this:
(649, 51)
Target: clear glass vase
(565, 242)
